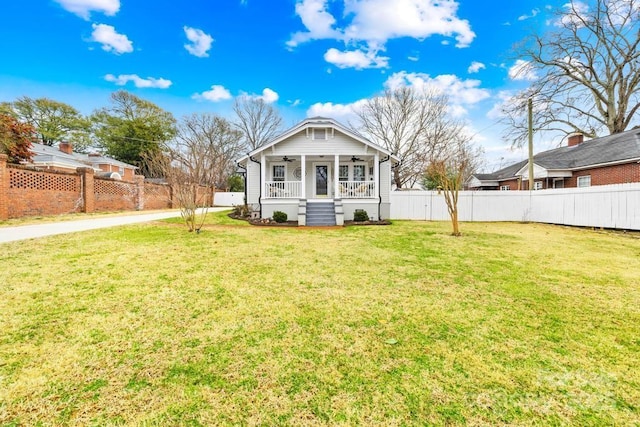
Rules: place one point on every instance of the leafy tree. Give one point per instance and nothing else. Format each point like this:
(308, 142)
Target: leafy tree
(15, 139)
(586, 72)
(258, 121)
(53, 121)
(132, 129)
(235, 183)
(409, 123)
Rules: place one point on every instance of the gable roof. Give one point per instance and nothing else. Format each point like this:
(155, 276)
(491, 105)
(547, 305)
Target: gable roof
(319, 122)
(622, 147)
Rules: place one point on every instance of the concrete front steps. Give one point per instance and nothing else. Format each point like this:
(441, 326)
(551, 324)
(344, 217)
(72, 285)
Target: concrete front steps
(321, 213)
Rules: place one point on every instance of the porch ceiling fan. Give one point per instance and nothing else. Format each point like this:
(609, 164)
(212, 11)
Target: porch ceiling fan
(286, 159)
(356, 159)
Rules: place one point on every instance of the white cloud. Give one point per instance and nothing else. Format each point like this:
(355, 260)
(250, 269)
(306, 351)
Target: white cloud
(83, 8)
(216, 94)
(357, 59)
(381, 20)
(371, 23)
(475, 67)
(574, 14)
(269, 96)
(522, 70)
(200, 42)
(316, 19)
(344, 113)
(460, 92)
(138, 81)
(111, 41)
(534, 13)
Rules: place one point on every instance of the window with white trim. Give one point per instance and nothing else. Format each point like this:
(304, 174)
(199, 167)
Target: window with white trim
(584, 181)
(121, 171)
(359, 172)
(279, 173)
(319, 133)
(537, 185)
(343, 173)
(505, 187)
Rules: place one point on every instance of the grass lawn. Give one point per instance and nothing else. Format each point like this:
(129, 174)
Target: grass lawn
(522, 324)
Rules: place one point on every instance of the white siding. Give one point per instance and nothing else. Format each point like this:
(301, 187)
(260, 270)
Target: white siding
(300, 144)
(253, 182)
(385, 180)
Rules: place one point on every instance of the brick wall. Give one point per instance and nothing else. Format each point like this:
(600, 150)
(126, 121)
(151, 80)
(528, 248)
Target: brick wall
(32, 193)
(157, 196)
(110, 195)
(28, 192)
(619, 174)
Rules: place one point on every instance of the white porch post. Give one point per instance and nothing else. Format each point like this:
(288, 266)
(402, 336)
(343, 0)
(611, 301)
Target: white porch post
(303, 190)
(376, 174)
(336, 165)
(263, 172)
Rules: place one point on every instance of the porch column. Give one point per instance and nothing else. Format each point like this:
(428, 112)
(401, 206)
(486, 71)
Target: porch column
(376, 174)
(303, 168)
(263, 172)
(336, 166)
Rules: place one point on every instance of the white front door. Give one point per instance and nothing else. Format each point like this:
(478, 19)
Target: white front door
(321, 180)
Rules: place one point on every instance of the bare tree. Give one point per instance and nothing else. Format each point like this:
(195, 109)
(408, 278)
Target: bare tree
(258, 121)
(196, 162)
(586, 73)
(407, 122)
(451, 167)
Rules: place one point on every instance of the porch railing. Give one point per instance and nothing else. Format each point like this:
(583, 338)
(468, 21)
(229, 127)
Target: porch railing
(356, 189)
(282, 189)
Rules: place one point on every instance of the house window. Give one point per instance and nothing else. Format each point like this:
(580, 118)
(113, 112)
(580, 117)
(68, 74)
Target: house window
(505, 187)
(343, 173)
(537, 185)
(558, 183)
(121, 171)
(584, 181)
(278, 172)
(359, 172)
(319, 133)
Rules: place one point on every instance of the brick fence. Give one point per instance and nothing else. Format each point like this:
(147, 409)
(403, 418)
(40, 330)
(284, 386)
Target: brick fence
(28, 192)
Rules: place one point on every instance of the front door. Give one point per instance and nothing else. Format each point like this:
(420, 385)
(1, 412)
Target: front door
(322, 181)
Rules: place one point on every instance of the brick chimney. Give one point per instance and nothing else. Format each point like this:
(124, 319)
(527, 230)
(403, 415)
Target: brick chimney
(65, 147)
(575, 139)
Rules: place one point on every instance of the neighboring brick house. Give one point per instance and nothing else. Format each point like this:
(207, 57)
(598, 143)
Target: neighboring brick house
(613, 159)
(63, 158)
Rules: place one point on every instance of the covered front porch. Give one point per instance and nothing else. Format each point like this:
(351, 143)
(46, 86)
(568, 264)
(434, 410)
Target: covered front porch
(320, 177)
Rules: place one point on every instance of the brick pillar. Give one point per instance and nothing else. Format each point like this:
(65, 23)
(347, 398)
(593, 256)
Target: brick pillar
(139, 181)
(4, 187)
(88, 190)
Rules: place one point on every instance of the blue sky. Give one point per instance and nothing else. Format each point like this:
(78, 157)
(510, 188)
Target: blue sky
(307, 57)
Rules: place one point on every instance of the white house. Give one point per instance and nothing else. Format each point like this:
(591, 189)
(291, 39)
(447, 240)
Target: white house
(319, 172)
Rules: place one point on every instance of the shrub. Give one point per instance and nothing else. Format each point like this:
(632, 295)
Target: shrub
(241, 211)
(360, 215)
(279, 216)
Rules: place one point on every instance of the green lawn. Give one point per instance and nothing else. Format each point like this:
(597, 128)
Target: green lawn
(520, 324)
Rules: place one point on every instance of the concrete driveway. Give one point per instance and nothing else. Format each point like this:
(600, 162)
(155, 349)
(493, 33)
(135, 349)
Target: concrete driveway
(23, 232)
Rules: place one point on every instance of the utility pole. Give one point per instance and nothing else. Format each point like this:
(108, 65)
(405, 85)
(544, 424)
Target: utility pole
(530, 103)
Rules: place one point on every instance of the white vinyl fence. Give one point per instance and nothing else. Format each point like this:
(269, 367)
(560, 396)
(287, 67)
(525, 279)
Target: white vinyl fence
(228, 199)
(609, 206)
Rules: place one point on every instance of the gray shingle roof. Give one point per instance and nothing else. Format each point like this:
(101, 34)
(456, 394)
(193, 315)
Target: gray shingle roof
(615, 148)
